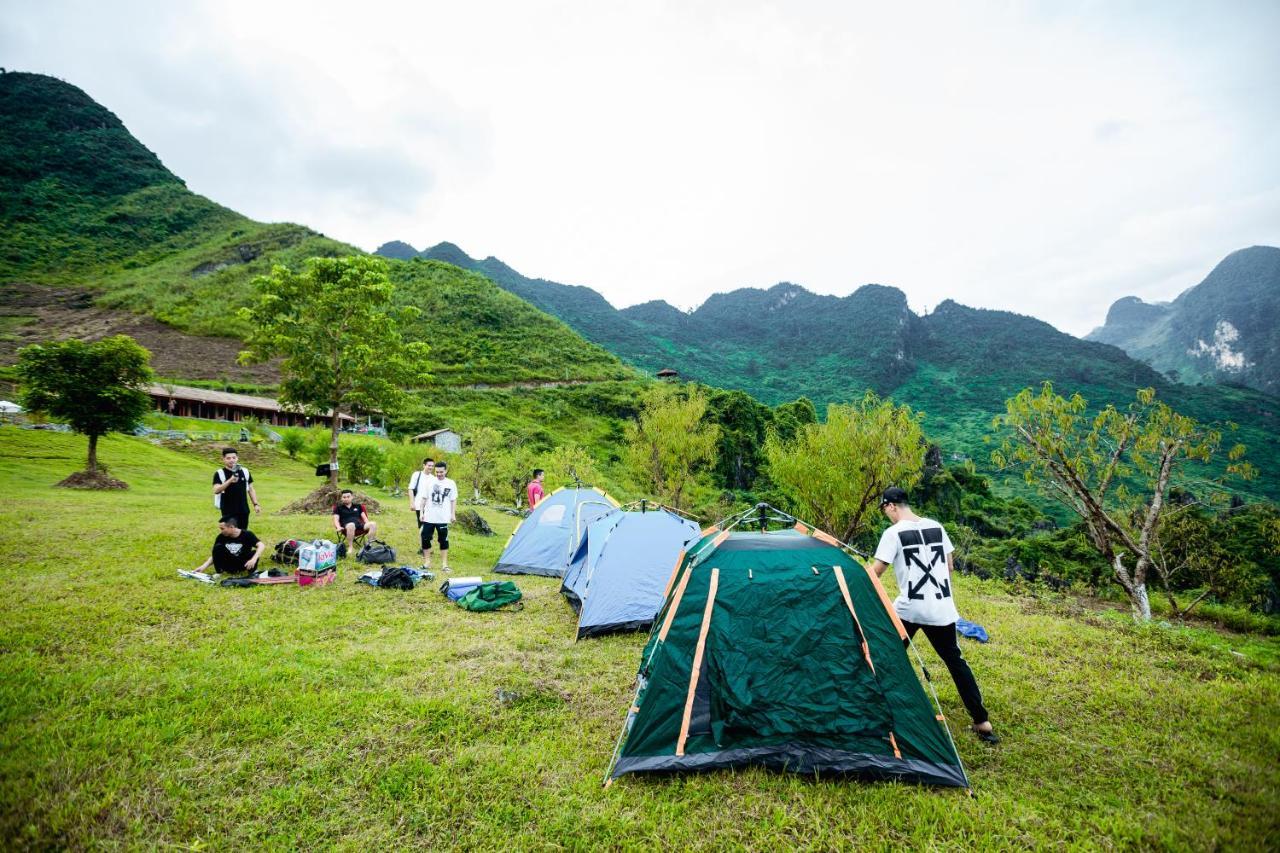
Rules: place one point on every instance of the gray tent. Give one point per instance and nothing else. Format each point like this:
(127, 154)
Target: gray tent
(619, 572)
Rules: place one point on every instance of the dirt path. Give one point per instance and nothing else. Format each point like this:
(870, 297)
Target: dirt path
(30, 313)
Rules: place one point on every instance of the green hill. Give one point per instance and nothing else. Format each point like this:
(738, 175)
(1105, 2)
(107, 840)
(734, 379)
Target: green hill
(84, 203)
(957, 364)
(1225, 329)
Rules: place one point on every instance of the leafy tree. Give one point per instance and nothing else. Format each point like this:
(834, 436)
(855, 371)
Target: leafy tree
(743, 428)
(97, 388)
(515, 468)
(292, 441)
(567, 464)
(362, 461)
(834, 472)
(1113, 470)
(339, 334)
(1185, 547)
(789, 417)
(669, 441)
(484, 450)
(398, 464)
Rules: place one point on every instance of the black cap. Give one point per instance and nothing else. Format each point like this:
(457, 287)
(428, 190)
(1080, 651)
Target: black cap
(893, 495)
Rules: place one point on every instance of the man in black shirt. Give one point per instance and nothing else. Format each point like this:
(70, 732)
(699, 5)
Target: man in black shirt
(235, 551)
(233, 489)
(350, 519)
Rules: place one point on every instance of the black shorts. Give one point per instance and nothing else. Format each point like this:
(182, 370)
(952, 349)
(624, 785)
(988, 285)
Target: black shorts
(441, 531)
(360, 531)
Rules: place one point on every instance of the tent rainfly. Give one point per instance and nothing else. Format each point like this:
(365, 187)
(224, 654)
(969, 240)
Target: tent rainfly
(616, 578)
(543, 543)
(780, 649)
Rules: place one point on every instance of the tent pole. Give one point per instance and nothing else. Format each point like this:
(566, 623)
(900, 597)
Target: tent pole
(617, 747)
(938, 707)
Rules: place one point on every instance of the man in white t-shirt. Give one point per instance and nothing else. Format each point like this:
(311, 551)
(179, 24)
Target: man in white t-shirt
(920, 552)
(438, 499)
(418, 487)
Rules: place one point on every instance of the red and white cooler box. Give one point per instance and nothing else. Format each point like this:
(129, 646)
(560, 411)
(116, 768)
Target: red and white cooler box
(317, 562)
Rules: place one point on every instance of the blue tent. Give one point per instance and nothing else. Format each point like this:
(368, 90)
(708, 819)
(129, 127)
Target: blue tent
(544, 542)
(618, 575)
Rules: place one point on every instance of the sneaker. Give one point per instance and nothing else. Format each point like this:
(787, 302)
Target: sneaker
(986, 737)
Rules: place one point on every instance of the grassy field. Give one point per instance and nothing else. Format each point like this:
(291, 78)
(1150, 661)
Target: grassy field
(138, 709)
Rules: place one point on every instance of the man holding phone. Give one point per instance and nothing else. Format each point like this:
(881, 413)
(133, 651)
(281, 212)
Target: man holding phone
(233, 489)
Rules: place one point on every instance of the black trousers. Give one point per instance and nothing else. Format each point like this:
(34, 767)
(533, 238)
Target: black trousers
(943, 640)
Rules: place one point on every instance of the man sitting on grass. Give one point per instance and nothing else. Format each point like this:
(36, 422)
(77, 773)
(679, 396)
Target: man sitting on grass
(235, 551)
(351, 520)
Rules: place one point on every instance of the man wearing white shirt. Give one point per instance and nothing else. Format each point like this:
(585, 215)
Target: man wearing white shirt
(439, 501)
(418, 487)
(920, 552)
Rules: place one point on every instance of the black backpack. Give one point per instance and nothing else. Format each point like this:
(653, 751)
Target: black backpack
(287, 552)
(395, 577)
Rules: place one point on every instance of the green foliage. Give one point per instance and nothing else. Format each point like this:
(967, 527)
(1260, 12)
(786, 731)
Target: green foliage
(339, 336)
(399, 461)
(97, 388)
(1230, 556)
(834, 472)
(515, 467)
(484, 449)
(362, 461)
(1087, 463)
(316, 450)
(743, 424)
(567, 465)
(292, 441)
(670, 441)
(480, 333)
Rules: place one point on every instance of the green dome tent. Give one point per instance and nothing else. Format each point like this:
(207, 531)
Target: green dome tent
(781, 649)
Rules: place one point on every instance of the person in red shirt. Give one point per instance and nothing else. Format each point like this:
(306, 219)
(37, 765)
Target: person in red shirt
(535, 488)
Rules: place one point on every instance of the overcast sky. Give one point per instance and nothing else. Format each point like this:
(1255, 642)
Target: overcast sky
(1044, 158)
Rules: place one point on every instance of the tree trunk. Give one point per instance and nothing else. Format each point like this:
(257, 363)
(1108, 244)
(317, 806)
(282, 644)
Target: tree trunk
(1141, 605)
(92, 466)
(1136, 590)
(333, 448)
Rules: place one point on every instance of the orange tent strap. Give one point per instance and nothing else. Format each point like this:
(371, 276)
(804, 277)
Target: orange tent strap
(697, 661)
(823, 536)
(848, 602)
(800, 527)
(897, 753)
(674, 606)
(674, 572)
(888, 606)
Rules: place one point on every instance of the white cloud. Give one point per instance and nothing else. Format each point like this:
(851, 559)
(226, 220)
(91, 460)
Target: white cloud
(1022, 157)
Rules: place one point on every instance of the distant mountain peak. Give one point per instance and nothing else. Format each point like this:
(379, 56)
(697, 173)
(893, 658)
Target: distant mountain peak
(397, 249)
(1226, 328)
(450, 253)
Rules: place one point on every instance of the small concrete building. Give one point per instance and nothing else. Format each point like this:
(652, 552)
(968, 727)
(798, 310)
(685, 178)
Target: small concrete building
(445, 439)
